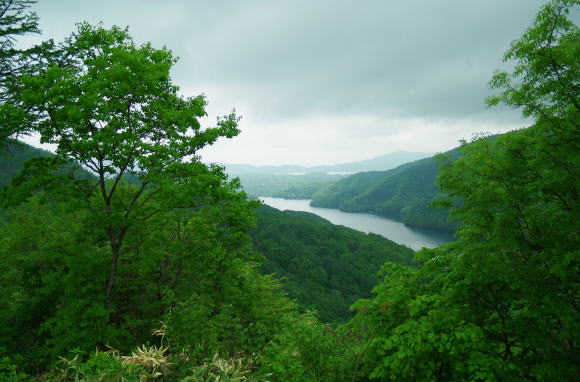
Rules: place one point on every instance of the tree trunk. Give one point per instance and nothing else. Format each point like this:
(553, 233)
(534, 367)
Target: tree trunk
(115, 253)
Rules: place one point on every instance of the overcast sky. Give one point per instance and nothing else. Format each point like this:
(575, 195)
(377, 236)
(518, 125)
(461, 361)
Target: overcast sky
(325, 81)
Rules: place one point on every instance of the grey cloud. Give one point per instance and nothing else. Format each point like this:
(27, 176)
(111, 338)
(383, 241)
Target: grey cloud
(426, 57)
(285, 61)
(380, 57)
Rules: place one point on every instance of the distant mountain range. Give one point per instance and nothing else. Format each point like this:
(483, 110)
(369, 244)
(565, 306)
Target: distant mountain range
(403, 191)
(384, 162)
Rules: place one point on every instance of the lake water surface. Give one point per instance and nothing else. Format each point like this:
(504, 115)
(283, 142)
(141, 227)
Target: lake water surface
(416, 238)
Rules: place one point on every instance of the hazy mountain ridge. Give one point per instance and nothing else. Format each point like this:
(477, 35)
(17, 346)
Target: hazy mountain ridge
(380, 163)
(285, 185)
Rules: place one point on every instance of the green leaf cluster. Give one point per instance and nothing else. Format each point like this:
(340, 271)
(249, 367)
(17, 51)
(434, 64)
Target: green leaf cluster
(16, 19)
(501, 302)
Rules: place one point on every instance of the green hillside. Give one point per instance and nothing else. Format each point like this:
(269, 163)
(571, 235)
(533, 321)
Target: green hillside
(13, 154)
(327, 267)
(160, 268)
(403, 193)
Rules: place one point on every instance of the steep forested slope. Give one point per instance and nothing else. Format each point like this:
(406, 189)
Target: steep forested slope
(327, 267)
(404, 193)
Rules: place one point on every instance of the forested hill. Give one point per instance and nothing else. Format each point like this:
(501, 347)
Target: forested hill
(13, 154)
(403, 193)
(327, 267)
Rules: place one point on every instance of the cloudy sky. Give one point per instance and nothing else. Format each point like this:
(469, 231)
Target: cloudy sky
(325, 81)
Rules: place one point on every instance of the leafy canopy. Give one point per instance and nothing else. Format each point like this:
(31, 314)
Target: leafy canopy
(114, 109)
(501, 302)
(544, 82)
(151, 234)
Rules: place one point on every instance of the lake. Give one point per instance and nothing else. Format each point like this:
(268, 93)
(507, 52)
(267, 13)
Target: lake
(416, 238)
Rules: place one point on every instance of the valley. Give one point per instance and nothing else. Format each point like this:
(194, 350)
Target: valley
(412, 237)
(144, 247)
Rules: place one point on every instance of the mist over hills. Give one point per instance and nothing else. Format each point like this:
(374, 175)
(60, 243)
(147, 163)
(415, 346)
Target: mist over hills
(381, 163)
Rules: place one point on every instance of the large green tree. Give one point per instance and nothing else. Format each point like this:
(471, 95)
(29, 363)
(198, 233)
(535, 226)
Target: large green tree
(114, 110)
(501, 303)
(150, 234)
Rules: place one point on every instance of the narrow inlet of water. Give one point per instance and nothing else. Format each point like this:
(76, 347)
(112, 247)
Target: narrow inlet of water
(415, 238)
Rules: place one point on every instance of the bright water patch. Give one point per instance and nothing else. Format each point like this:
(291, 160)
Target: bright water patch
(415, 238)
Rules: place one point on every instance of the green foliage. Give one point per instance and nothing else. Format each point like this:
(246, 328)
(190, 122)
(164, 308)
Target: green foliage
(325, 267)
(501, 302)
(55, 275)
(226, 370)
(544, 80)
(417, 334)
(99, 367)
(241, 320)
(306, 350)
(52, 281)
(115, 103)
(9, 371)
(151, 363)
(13, 155)
(114, 110)
(97, 261)
(16, 20)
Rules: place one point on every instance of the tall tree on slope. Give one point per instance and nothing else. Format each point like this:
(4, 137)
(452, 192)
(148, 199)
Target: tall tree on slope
(114, 109)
